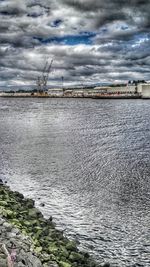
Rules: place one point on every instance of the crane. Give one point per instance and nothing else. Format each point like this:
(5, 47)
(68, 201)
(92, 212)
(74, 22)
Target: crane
(46, 76)
(42, 80)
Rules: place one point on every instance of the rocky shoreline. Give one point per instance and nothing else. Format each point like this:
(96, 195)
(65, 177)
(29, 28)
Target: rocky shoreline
(37, 242)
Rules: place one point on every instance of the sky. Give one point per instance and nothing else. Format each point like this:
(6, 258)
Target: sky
(89, 41)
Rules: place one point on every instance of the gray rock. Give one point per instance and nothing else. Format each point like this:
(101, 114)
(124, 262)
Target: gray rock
(7, 226)
(1, 221)
(19, 264)
(3, 263)
(11, 235)
(24, 256)
(51, 264)
(15, 230)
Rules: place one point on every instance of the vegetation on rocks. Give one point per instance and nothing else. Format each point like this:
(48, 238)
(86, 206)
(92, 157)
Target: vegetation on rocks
(48, 243)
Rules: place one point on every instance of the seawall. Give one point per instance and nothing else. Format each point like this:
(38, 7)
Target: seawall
(37, 241)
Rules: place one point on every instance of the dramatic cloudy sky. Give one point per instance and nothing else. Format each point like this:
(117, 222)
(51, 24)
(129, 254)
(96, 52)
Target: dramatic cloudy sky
(90, 41)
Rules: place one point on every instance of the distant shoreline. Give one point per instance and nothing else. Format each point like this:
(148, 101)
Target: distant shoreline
(117, 92)
(89, 97)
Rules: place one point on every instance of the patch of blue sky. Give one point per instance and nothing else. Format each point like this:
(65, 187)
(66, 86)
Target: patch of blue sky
(140, 39)
(81, 38)
(56, 23)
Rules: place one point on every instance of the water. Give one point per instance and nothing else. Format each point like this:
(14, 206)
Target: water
(89, 162)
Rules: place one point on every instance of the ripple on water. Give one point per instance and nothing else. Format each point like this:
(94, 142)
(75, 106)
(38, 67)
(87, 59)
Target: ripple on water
(88, 161)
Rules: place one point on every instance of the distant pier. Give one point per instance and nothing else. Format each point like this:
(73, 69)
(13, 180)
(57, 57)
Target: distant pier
(110, 92)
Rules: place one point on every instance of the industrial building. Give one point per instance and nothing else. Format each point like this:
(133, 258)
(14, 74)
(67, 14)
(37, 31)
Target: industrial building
(144, 90)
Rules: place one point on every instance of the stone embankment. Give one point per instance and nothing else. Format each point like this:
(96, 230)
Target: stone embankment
(33, 239)
(11, 237)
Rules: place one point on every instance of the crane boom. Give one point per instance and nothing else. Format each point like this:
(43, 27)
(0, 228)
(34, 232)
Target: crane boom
(45, 77)
(44, 69)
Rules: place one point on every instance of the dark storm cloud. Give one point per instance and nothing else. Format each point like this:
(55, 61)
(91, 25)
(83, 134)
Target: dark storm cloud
(16, 8)
(134, 12)
(107, 5)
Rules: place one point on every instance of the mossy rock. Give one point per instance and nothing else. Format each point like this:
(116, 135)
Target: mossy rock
(29, 203)
(46, 238)
(34, 223)
(37, 228)
(64, 264)
(9, 214)
(3, 191)
(16, 223)
(53, 249)
(3, 203)
(64, 252)
(76, 257)
(26, 223)
(71, 245)
(38, 250)
(18, 195)
(34, 213)
(45, 257)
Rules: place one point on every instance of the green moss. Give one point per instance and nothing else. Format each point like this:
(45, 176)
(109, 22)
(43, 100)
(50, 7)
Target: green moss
(38, 250)
(53, 248)
(64, 264)
(64, 252)
(34, 213)
(3, 203)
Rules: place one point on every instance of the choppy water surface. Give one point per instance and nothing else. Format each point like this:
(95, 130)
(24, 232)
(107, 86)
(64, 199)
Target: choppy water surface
(89, 162)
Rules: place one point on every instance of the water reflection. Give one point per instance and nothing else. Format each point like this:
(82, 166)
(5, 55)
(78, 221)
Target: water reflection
(88, 160)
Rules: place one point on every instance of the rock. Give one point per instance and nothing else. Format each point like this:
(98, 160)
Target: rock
(3, 263)
(77, 257)
(20, 264)
(29, 203)
(28, 259)
(34, 213)
(15, 230)
(7, 226)
(9, 214)
(71, 245)
(51, 246)
(50, 219)
(64, 264)
(53, 249)
(35, 261)
(1, 182)
(27, 223)
(38, 250)
(64, 252)
(3, 203)
(42, 204)
(50, 264)
(18, 195)
(106, 264)
(1, 221)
